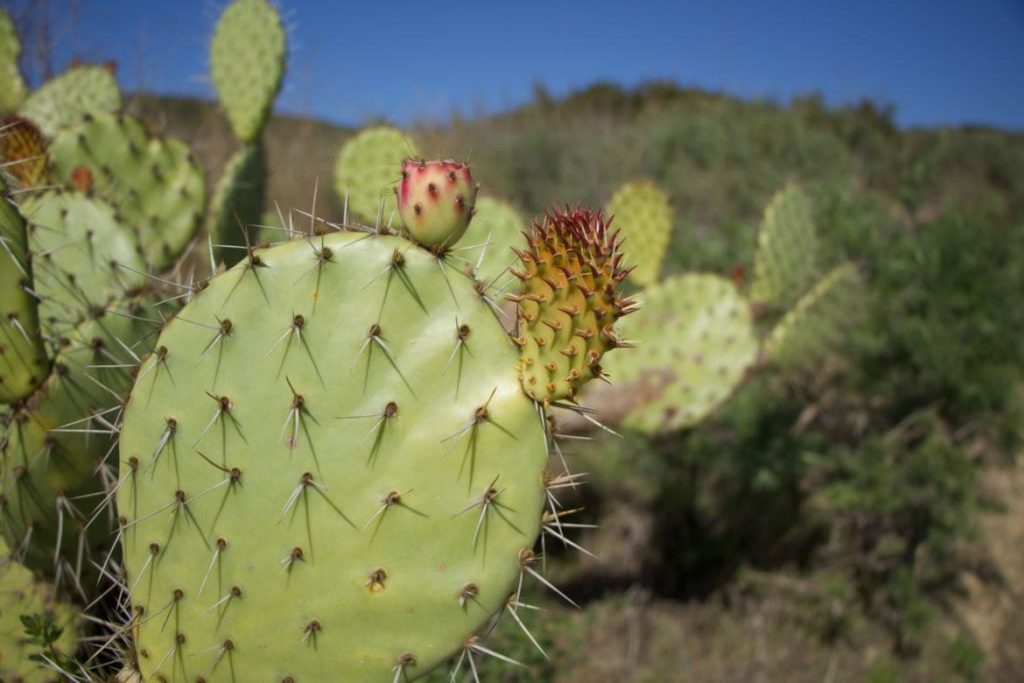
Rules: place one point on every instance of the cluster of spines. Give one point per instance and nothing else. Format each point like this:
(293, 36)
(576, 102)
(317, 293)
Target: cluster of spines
(568, 303)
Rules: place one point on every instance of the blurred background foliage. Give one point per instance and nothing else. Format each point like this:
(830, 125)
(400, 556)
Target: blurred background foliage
(857, 521)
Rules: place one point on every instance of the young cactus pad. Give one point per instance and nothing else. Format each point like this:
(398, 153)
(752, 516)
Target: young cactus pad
(12, 85)
(247, 58)
(63, 101)
(23, 361)
(330, 472)
(642, 213)
(365, 174)
(155, 183)
(22, 153)
(697, 344)
(568, 303)
(436, 200)
(785, 265)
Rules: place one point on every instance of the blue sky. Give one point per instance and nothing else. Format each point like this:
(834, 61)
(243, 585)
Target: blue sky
(936, 61)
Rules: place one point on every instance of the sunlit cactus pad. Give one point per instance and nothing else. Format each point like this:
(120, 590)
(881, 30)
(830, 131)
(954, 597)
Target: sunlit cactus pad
(328, 469)
(54, 442)
(641, 212)
(155, 183)
(817, 322)
(84, 257)
(63, 101)
(496, 228)
(786, 264)
(12, 85)
(21, 594)
(696, 343)
(367, 172)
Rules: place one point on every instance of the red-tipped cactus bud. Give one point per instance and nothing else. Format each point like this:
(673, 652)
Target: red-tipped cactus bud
(569, 302)
(435, 200)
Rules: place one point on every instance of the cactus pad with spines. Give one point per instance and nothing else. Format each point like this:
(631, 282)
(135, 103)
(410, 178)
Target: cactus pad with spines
(785, 264)
(436, 201)
(696, 343)
(63, 101)
(815, 324)
(155, 183)
(23, 360)
(21, 594)
(496, 228)
(568, 304)
(53, 444)
(12, 85)
(641, 212)
(22, 153)
(237, 203)
(83, 256)
(247, 57)
(337, 469)
(366, 173)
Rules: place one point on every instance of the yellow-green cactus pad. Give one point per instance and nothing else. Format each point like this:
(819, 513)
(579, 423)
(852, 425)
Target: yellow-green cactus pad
(21, 594)
(786, 263)
(12, 85)
(817, 321)
(695, 340)
(247, 57)
(23, 360)
(367, 171)
(84, 257)
(641, 212)
(79, 91)
(330, 474)
(155, 183)
(52, 445)
(495, 230)
(568, 303)
(237, 204)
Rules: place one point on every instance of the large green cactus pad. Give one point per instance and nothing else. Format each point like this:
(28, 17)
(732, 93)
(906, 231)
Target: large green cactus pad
(816, 323)
(247, 58)
(23, 361)
(79, 91)
(21, 594)
(787, 250)
(641, 212)
(155, 183)
(237, 203)
(83, 256)
(495, 230)
(696, 342)
(12, 85)
(305, 469)
(54, 442)
(366, 173)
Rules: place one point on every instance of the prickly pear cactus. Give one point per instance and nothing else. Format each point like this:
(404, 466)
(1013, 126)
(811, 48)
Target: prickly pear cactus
(785, 265)
(63, 101)
(363, 467)
(366, 173)
(56, 447)
(21, 594)
(12, 85)
(641, 212)
(436, 201)
(496, 228)
(697, 344)
(155, 183)
(238, 203)
(23, 360)
(247, 57)
(568, 304)
(817, 321)
(83, 256)
(22, 153)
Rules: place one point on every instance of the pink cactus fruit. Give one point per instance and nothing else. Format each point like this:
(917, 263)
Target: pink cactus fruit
(435, 200)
